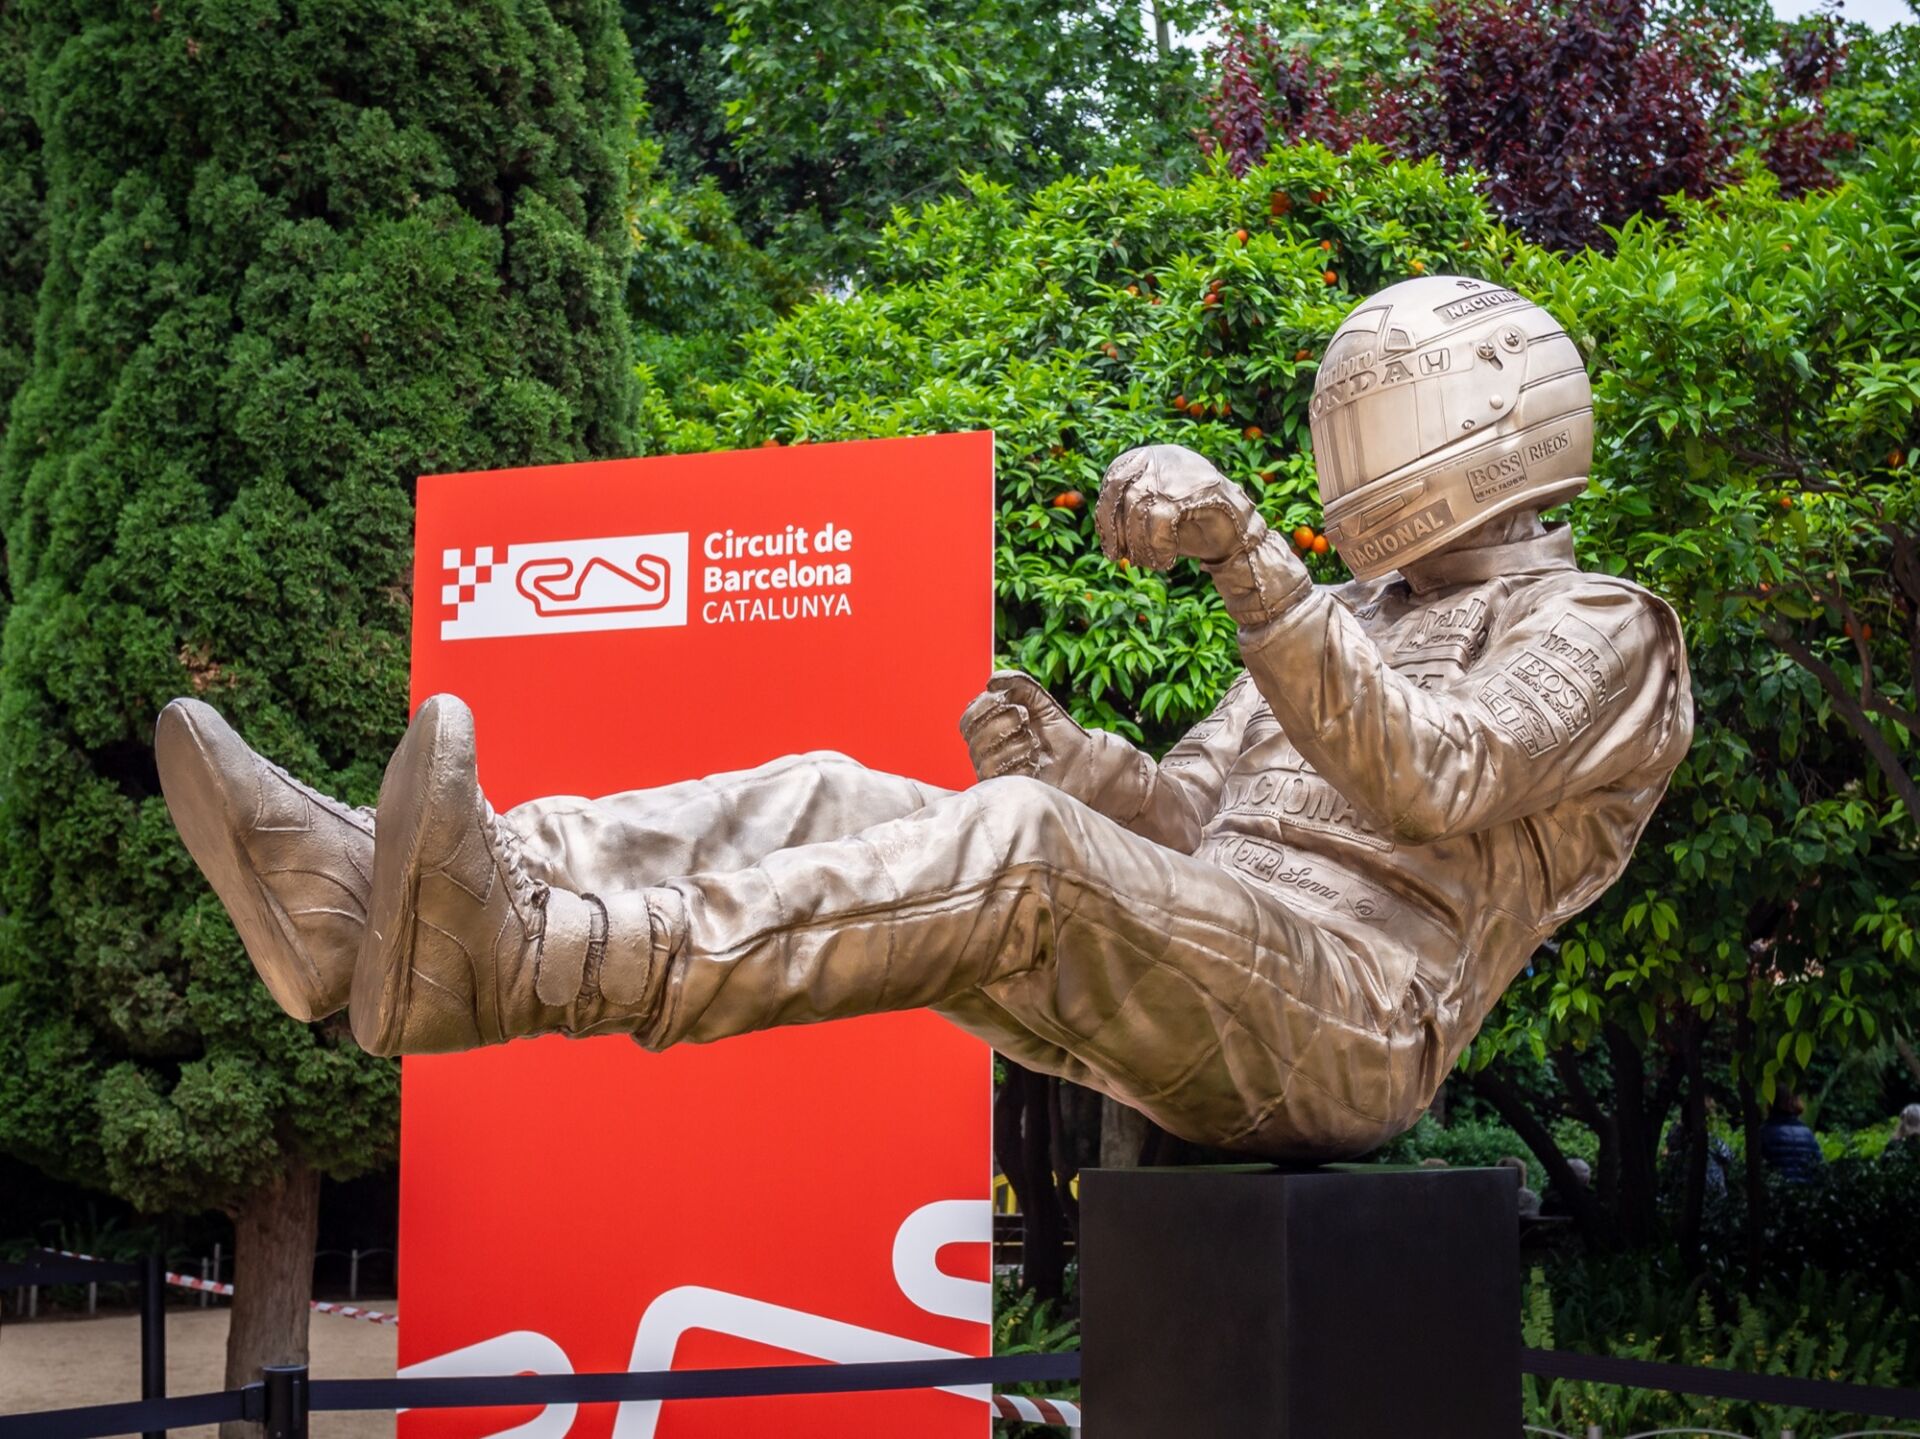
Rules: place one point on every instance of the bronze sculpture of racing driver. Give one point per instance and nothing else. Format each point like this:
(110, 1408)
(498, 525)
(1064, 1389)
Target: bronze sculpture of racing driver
(1277, 939)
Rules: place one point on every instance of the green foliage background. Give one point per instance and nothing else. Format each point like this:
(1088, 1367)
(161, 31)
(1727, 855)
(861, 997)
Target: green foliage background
(1748, 352)
(294, 258)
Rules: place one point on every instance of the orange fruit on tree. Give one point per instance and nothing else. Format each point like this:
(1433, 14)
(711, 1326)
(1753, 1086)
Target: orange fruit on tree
(1179, 402)
(1303, 354)
(1331, 278)
(1786, 502)
(1133, 289)
(1252, 432)
(1419, 267)
(1320, 545)
(1326, 244)
(1069, 500)
(1241, 236)
(1279, 203)
(1303, 536)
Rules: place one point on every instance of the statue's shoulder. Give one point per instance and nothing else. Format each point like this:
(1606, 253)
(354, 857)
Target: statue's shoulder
(1362, 598)
(1639, 627)
(1595, 590)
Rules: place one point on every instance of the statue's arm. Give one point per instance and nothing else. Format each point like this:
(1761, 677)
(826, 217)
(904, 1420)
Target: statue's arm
(1016, 727)
(1589, 687)
(1578, 694)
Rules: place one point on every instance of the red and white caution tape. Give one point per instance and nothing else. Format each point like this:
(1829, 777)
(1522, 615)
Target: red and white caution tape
(205, 1286)
(351, 1311)
(1031, 1409)
(214, 1286)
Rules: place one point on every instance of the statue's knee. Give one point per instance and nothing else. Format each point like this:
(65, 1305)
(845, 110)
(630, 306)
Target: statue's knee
(823, 759)
(1022, 806)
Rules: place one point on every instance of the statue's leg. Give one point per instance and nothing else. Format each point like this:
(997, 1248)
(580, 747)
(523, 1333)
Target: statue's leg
(725, 821)
(1073, 945)
(294, 867)
(1017, 911)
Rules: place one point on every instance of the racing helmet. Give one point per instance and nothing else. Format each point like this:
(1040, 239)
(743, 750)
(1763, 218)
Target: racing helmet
(1442, 402)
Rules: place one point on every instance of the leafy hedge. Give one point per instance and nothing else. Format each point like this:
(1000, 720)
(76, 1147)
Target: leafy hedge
(1817, 1328)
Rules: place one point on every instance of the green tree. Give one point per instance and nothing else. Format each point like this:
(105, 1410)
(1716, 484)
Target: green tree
(697, 283)
(840, 111)
(295, 257)
(22, 221)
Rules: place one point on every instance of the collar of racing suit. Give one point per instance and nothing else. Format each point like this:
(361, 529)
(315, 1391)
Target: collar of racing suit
(1550, 551)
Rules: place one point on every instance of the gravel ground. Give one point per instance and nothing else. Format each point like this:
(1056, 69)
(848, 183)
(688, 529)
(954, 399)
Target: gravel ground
(54, 1363)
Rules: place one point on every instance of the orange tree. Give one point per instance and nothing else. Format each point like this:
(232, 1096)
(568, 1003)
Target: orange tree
(1767, 921)
(1757, 373)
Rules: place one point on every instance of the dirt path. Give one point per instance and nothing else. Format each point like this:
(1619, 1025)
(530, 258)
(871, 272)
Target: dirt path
(53, 1363)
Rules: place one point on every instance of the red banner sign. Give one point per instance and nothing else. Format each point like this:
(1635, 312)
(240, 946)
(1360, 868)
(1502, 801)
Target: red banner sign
(815, 1194)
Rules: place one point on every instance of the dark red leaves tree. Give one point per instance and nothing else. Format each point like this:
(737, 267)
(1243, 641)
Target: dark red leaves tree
(1579, 113)
(1578, 117)
(1267, 95)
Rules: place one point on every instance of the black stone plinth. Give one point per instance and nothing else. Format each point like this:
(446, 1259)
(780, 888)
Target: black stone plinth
(1350, 1302)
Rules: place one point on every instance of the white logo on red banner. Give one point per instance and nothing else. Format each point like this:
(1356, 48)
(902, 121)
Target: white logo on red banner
(620, 582)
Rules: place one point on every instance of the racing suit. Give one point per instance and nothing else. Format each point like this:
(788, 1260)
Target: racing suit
(1277, 939)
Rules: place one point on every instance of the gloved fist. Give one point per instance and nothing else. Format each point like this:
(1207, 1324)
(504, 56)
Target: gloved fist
(1015, 727)
(1163, 503)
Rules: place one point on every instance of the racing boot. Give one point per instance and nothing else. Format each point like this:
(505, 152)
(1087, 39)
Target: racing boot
(463, 947)
(292, 866)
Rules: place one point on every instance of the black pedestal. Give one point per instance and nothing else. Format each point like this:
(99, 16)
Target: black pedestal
(1339, 1303)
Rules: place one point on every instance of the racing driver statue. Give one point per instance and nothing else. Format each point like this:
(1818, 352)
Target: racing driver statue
(1277, 939)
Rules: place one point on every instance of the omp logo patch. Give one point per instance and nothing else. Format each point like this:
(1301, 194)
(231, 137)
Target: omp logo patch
(618, 582)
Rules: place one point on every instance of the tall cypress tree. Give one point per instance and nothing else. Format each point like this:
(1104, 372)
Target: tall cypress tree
(296, 254)
(22, 212)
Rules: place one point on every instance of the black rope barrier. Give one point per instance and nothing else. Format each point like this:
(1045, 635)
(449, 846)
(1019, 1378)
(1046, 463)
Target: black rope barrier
(267, 1403)
(1828, 1396)
(139, 1416)
(101, 1421)
(342, 1394)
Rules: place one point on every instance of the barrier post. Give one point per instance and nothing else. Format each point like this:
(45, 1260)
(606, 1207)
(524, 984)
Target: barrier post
(286, 1386)
(153, 1334)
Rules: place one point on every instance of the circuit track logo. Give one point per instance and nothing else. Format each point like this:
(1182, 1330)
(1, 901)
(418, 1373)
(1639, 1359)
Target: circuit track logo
(617, 582)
